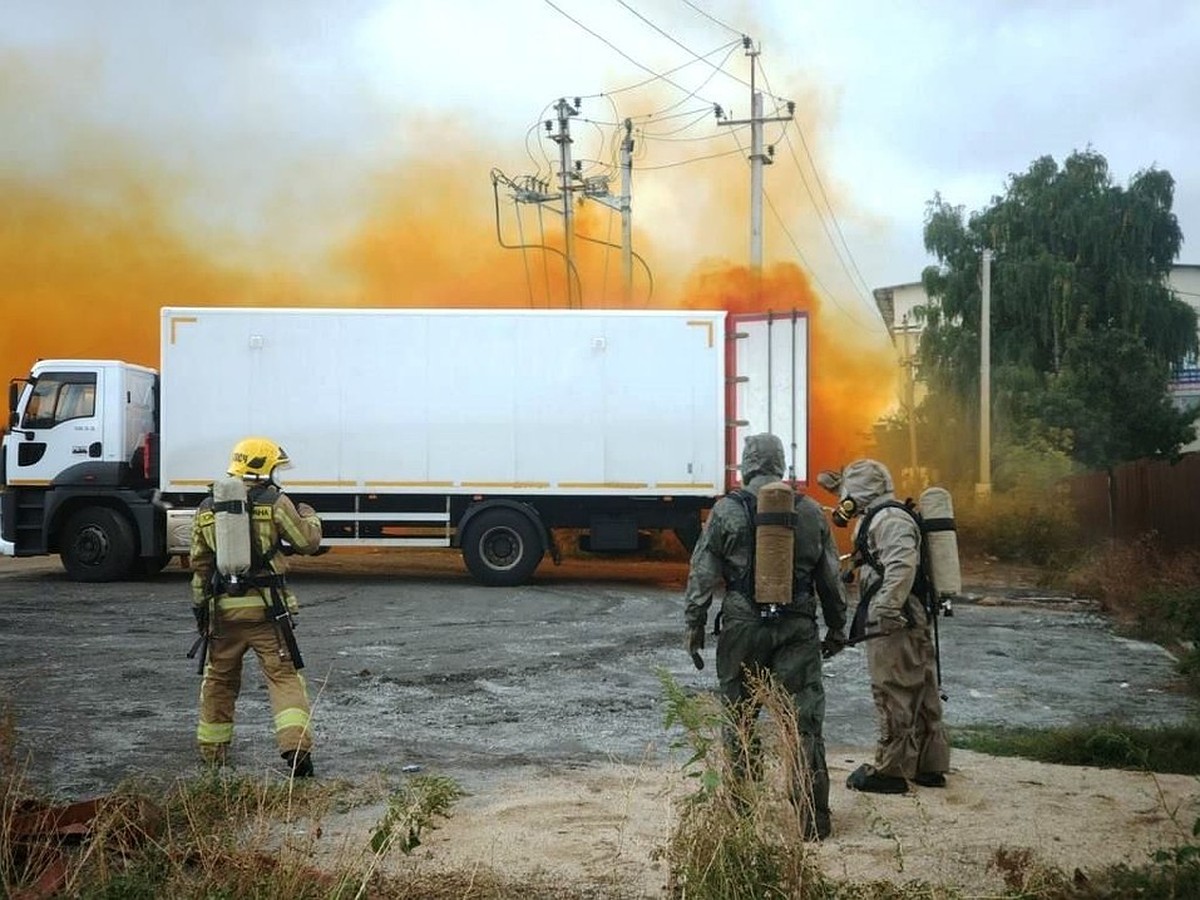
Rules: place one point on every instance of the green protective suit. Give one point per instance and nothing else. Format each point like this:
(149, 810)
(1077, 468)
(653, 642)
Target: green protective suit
(900, 652)
(787, 645)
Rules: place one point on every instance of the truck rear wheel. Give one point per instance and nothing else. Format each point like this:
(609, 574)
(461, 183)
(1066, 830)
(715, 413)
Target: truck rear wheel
(97, 545)
(502, 547)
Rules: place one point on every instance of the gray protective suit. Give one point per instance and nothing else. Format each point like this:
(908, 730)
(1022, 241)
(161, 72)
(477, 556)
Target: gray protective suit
(899, 645)
(788, 644)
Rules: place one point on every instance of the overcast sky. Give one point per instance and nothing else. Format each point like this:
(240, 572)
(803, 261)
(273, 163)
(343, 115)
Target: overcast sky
(895, 101)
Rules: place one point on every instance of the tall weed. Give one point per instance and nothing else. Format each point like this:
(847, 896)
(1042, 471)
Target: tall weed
(740, 836)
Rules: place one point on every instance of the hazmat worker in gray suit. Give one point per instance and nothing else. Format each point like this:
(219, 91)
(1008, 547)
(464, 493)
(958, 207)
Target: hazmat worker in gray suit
(782, 639)
(894, 627)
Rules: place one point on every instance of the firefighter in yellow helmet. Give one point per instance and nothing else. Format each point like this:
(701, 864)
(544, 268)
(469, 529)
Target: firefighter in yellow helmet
(233, 605)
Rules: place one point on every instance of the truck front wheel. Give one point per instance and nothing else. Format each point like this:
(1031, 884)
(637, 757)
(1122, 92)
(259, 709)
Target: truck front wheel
(97, 545)
(502, 547)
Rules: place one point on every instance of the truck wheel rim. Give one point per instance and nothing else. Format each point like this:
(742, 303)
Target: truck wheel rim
(91, 546)
(501, 548)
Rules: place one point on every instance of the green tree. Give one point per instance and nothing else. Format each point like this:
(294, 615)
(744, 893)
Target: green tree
(1084, 328)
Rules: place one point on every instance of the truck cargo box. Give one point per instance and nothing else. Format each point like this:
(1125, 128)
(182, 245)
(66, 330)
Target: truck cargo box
(535, 401)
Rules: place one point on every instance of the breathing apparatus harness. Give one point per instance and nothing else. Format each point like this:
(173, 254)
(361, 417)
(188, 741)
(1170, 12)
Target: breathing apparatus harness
(743, 581)
(923, 584)
(259, 574)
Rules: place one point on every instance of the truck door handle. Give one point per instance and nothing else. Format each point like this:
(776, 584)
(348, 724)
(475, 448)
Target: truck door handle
(94, 449)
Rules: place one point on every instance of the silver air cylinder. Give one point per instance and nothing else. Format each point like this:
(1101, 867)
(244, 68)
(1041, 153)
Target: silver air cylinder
(774, 538)
(937, 511)
(233, 526)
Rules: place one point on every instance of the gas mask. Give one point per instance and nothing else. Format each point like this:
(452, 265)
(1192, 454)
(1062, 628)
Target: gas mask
(846, 510)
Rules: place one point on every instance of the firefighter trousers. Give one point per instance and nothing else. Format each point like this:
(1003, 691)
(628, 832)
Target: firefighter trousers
(223, 681)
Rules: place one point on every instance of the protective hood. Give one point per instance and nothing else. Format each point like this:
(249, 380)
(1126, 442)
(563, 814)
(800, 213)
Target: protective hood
(762, 454)
(865, 481)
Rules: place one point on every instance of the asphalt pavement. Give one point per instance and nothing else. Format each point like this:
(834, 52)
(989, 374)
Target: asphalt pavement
(410, 663)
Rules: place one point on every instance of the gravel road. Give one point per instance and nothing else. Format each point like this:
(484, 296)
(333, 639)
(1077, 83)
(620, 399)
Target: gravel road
(411, 663)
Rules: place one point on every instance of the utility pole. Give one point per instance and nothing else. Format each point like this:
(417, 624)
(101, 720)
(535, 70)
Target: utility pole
(566, 175)
(627, 212)
(910, 365)
(758, 158)
(984, 487)
(531, 189)
(595, 187)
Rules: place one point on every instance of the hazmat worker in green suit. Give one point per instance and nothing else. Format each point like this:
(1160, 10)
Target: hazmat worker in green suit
(780, 639)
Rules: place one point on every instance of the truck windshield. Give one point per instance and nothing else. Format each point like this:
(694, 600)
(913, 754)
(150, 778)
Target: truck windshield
(60, 396)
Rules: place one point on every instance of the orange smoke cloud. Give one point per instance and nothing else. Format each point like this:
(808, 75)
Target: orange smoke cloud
(85, 277)
(852, 369)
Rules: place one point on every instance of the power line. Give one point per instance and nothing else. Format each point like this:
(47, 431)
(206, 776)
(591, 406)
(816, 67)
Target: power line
(800, 253)
(712, 18)
(811, 270)
(833, 216)
(614, 47)
(654, 78)
(679, 43)
(695, 159)
(861, 285)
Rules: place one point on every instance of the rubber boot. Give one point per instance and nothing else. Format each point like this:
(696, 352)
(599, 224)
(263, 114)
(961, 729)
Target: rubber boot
(866, 779)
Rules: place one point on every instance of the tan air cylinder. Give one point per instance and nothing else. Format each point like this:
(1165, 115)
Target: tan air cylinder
(774, 539)
(937, 514)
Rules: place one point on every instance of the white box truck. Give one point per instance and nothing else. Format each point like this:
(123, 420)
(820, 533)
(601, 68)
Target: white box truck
(486, 430)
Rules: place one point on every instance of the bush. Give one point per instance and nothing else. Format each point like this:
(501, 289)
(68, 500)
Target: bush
(1019, 526)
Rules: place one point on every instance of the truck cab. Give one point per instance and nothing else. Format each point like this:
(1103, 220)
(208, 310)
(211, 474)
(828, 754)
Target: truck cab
(77, 467)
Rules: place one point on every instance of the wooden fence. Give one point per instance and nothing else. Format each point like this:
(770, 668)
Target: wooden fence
(1140, 497)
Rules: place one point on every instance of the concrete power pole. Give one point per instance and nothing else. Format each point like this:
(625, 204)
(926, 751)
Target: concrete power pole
(984, 488)
(627, 212)
(596, 188)
(566, 184)
(910, 402)
(758, 158)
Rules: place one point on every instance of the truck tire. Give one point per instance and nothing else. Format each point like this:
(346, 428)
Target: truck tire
(97, 545)
(502, 547)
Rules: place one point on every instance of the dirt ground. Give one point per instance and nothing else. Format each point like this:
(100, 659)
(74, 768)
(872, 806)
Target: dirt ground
(429, 668)
(608, 823)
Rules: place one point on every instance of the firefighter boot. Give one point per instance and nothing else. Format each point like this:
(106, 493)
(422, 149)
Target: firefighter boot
(299, 763)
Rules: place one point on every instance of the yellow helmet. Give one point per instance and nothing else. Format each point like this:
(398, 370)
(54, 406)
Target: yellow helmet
(256, 457)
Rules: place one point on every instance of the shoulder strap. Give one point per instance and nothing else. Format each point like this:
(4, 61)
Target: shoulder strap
(861, 550)
(922, 583)
(261, 495)
(744, 583)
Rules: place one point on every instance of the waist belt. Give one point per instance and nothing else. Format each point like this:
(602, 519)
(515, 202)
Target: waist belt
(770, 611)
(239, 585)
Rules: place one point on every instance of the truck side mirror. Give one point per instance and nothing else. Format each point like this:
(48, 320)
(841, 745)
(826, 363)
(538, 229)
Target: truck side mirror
(12, 404)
